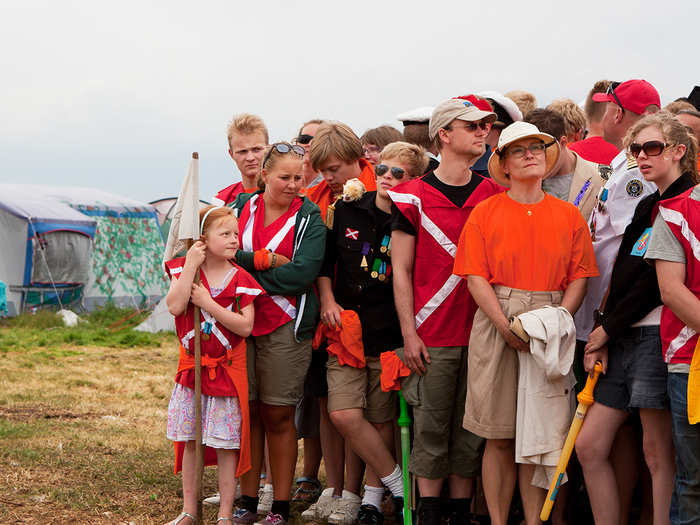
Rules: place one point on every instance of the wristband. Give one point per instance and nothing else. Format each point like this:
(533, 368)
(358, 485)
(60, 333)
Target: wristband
(274, 260)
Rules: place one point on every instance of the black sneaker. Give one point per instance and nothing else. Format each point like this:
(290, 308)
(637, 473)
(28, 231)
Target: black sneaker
(398, 510)
(370, 515)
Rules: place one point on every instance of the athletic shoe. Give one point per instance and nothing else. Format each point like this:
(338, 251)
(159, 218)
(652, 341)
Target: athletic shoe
(243, 517)
(265, 501)
(370, 515)
(272, 519)
(322, 508)
(345, 511)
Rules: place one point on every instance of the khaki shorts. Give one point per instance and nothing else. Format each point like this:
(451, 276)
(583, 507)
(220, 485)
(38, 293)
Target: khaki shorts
(277, 366)
(440, 445)
(350, 387)
(492, 386)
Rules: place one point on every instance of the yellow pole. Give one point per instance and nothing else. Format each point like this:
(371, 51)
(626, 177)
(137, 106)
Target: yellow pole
(585, 399)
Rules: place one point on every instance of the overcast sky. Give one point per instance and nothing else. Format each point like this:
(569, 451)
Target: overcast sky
(117, 95)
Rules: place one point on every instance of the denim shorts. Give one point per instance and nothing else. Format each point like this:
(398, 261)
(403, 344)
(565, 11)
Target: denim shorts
(637, 374)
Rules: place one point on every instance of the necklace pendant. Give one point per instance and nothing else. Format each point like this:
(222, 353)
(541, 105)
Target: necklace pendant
(529, 212)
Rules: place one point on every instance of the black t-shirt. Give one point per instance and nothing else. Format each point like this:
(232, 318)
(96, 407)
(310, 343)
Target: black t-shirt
(457, 195)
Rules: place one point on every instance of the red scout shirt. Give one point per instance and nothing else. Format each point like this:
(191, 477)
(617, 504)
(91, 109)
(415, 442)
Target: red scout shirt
(444, 309)
(271, 311)
(682, 215)
(229, 194)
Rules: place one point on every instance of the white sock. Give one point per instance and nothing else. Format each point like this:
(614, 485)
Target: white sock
(394, 482)
(373, 496)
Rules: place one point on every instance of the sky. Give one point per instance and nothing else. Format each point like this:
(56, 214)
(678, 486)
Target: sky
(117, 95)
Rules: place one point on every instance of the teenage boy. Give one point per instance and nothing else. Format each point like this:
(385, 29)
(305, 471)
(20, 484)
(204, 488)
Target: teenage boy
(337, 153)
(247, 140)
(674, 249)
(434, 306)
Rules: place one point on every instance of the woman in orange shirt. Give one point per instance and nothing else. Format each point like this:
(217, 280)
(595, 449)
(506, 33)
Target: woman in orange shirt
(519, 251)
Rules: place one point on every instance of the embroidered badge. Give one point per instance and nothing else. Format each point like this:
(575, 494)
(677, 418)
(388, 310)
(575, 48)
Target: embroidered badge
(604, 171)
(351, 234)
(634, 188)
(640, 247)
(581, 193)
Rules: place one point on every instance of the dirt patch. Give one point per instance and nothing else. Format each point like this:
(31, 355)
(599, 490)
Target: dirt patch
(26, 414)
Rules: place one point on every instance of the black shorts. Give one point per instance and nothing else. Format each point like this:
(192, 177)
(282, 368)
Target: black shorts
(637, 374)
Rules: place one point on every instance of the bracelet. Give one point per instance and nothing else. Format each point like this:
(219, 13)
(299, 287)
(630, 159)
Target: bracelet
(274, 260)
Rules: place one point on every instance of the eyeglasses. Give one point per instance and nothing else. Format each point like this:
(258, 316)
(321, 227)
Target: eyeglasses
(381, 169)
(283, 147)
(518, 152)
(651, 148)
(472, 126)
(371, 150)
(611, 91)
(304, 139)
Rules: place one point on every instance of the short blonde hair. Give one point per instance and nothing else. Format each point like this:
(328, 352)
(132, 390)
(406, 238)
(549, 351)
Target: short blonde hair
(334, 139)
(246, 124)
(573, 115)
(412, 156)
(595, 110)
(674, 133)
(525, 100)
(677, 106)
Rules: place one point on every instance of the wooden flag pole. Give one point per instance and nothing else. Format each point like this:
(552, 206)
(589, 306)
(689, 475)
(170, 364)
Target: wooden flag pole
(199, 449)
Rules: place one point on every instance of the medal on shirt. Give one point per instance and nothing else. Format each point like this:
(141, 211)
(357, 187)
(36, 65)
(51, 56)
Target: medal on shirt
(376, 266)
(206, 330)
(365, 253)
(386, 245)
(382, 272)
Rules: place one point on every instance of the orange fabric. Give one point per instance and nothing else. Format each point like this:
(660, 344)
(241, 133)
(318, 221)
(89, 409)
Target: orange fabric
(234, 364)
(535, 247)
(345, 343)
(321, 193)
(393, 370)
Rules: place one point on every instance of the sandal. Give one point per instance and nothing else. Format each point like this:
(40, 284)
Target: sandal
(182, 516)
(304, 495)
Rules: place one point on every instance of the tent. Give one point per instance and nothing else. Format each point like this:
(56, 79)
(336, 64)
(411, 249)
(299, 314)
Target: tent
(68, 243)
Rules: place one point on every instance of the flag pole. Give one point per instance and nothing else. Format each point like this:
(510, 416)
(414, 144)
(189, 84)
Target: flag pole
(199, 449)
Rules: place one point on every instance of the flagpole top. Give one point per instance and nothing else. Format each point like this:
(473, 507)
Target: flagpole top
(195, 155)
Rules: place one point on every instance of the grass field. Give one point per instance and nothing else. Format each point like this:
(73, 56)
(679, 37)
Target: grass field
(82, 422)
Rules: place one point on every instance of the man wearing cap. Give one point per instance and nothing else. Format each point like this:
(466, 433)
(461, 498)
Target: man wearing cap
(434, 307)
(481, 166)
(415, 131)
(521, 251)
(627, 102)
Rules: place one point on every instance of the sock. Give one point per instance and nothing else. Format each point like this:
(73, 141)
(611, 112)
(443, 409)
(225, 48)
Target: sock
(249, 503)
(280, 507)
(460, 506)
(373, 496)
(394, 482)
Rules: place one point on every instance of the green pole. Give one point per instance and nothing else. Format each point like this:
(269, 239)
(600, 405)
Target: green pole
(405, 424)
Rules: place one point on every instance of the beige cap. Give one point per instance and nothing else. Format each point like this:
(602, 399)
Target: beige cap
(453, 109)
(514, 132)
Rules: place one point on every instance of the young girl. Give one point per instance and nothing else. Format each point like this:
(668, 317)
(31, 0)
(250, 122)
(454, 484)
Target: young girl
(225, 296)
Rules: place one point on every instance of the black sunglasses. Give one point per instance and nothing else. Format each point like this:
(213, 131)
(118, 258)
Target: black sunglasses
(611, 91)
(651, 148)
(304, 139)
(283, 147)
(381, 169)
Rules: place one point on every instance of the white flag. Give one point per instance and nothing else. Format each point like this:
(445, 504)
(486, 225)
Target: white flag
(185, 223)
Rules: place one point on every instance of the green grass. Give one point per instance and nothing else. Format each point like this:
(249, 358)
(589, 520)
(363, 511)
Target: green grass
(109, 327)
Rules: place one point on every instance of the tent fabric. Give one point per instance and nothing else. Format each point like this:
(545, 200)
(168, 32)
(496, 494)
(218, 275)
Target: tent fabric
(160, 320)
(61, 257)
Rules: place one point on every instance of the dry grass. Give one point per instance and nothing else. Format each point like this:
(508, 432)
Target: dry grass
(82, 436)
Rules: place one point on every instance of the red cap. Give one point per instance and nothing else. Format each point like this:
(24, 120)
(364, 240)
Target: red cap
(634, 95)
(479, 102)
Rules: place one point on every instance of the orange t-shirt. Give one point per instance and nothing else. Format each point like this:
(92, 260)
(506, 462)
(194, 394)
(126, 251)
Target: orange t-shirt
(534, 247)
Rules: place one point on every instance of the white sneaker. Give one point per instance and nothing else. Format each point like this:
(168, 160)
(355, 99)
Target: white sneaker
(212, 500)
(345, 511)
(265, 500)
(322, 508)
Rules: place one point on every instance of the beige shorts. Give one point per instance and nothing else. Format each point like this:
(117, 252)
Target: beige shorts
(492, 385)
(350, 387)
(277, 364)
(440, 445)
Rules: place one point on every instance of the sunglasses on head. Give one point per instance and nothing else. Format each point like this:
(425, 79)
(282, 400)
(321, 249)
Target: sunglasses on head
(611, 91)
(651, 148)
(283, 147)
(304, 139)
(381, 169)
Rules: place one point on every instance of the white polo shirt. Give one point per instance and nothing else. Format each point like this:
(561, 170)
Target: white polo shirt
(613, 211)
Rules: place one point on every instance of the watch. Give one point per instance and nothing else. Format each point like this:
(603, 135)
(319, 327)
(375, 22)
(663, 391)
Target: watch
(598, 316)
